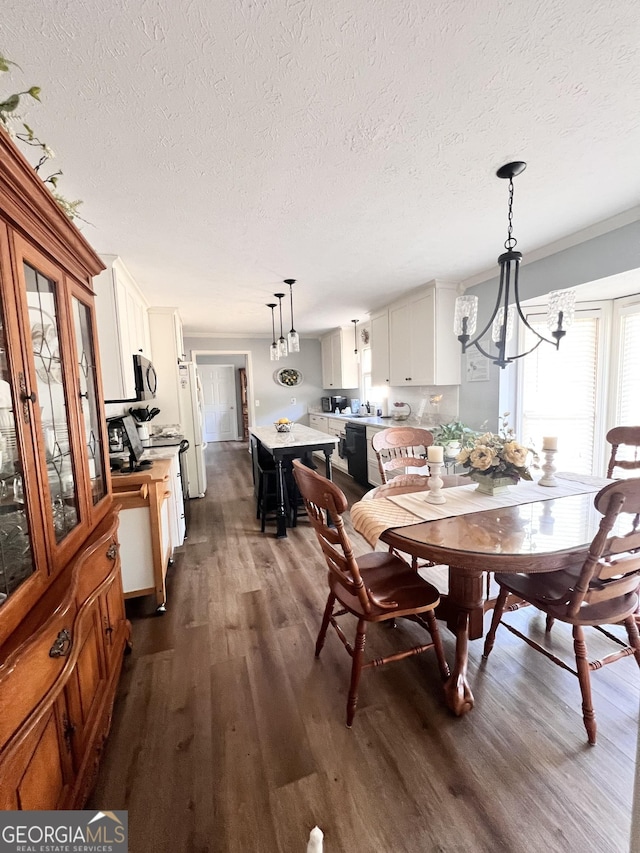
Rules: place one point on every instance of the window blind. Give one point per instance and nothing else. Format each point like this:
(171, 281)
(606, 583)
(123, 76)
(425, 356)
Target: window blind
(558, 393)
(628, 397)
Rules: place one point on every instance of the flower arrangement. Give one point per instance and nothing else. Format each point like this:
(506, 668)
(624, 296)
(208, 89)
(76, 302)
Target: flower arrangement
(497, 455)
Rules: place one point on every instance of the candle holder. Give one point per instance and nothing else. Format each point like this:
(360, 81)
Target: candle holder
(434, 495)
(549, 469)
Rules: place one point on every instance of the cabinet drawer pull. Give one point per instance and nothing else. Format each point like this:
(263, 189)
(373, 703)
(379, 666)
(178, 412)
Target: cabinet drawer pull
(62, 645)
(112, 551)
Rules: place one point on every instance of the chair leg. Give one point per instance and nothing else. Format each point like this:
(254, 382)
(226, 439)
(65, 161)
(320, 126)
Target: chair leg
(498, 610)
(549, 624)
(328, 610)
(356, 670)
(432, 623)
(631, 625)
(584, 677)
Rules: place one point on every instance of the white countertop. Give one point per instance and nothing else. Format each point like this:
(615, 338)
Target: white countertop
(372, 420)
(300, 436)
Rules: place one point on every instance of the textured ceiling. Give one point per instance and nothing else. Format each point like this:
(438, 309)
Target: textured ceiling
(220, 147)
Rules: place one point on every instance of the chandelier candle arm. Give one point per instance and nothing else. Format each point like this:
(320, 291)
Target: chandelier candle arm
(507, 307)
(283, 351)
(293, 338)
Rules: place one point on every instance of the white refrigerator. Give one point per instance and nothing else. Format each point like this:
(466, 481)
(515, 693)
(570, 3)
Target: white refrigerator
(192, 423)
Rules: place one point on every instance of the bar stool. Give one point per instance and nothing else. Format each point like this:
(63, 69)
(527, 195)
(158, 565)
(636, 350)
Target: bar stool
(264, 484)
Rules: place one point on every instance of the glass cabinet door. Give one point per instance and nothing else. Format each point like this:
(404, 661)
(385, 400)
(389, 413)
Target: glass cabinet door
(54, 417)
(16, 557)
(85, 355)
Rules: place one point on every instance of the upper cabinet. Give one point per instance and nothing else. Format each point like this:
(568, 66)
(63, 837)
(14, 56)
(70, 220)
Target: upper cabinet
(339, 365)
(380, 375)
(167, 351)
(422, 347)
(123, 328)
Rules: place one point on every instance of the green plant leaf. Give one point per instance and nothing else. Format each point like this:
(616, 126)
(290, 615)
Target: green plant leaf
(34, 91)
(10, 104)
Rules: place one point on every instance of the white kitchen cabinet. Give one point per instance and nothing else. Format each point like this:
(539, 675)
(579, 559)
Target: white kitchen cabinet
(318, 422)
(167, 347)
(380, 375)
(145, 529)
(123, 328)
(177, 521)
(422, 347)
(339, 365)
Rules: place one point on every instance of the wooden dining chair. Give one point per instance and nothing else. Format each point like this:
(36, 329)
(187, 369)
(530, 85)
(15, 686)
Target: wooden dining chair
(625, 442)
(600, 590)
(376, 587)
(399, 448)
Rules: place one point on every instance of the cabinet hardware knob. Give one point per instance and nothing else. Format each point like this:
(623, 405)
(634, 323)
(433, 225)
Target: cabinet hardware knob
(62, 645)
(112, 551)
(84, 394)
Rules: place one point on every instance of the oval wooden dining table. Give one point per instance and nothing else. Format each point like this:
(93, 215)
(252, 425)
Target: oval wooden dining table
(541, 535)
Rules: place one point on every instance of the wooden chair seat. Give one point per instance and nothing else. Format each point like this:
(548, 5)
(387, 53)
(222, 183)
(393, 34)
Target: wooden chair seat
(551, 594)
(601, 590)
(387, 578)
(375, 587)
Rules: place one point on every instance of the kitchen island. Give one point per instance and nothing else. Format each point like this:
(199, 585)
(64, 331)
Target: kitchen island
(285, 446)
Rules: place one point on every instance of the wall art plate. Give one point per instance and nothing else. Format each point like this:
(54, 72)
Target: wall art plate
(288, 376)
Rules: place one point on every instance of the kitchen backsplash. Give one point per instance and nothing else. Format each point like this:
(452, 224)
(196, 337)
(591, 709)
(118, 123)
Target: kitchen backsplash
(430, 405)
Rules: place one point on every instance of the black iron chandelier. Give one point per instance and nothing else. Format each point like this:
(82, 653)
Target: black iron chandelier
(561, 302)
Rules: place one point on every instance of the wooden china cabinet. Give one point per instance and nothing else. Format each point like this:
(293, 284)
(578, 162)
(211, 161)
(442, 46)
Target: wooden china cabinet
(62, 623)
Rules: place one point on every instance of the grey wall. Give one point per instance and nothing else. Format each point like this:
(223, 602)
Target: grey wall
(274, 399)
(603, 256)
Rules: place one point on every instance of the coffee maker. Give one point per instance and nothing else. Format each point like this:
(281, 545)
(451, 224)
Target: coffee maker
(330, 404)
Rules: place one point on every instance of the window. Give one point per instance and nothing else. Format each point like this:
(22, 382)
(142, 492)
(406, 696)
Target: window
(627, 388)
(561, 392)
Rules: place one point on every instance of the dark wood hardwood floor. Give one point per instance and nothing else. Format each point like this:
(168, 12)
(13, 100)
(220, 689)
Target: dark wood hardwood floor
(228, 736)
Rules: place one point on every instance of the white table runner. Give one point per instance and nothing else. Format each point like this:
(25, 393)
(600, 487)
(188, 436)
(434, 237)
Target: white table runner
(372, 517)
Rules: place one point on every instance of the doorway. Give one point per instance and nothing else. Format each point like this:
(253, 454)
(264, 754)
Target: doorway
(219, 398)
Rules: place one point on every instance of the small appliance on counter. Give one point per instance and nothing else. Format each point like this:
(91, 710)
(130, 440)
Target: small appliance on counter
(330, 404)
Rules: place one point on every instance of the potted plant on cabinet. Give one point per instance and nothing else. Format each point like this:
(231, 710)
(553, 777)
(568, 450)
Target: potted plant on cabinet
(452, 436)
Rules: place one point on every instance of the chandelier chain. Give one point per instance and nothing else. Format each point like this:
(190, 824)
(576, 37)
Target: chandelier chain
(510, 243)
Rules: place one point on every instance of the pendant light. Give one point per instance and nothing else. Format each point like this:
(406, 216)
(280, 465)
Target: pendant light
(503, 319)
(356, 353)
(283, 352)
(293, 337)
(274, 353)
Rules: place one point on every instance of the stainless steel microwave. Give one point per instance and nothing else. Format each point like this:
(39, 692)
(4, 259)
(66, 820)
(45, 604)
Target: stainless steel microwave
(145, 377)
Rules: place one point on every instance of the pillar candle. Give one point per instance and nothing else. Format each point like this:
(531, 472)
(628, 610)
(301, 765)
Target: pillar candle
(549, 442)
(435, 453)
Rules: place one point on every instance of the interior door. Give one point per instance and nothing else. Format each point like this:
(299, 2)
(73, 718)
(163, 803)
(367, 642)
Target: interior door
(220, 404)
